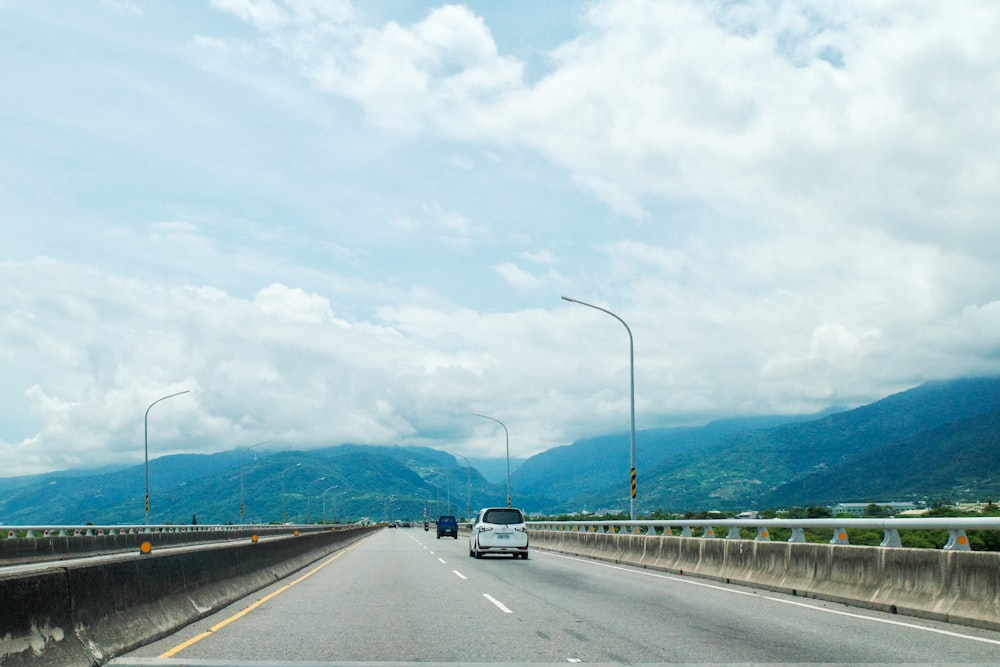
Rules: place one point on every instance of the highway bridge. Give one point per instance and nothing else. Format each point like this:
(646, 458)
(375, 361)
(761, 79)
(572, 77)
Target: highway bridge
(402, 596)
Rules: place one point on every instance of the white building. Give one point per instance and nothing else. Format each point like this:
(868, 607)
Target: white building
(858, 509)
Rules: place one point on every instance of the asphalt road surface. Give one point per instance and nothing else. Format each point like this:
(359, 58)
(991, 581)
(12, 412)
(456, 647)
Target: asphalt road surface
(402, 596)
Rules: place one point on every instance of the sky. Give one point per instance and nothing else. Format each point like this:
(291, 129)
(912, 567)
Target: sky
(331, 222)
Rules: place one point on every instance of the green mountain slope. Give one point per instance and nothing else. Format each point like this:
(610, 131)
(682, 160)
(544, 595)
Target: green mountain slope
(595, 471)
(746, 470)
(936, 441)
(960, 459)
(335, 483)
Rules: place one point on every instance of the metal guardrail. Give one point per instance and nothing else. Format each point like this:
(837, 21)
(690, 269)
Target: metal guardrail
(956, 527)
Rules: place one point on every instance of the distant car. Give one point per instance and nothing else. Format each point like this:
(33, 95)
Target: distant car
(447, 525)
(499, 530)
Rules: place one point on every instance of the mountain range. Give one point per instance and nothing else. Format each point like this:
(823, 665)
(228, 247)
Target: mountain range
(936, 442)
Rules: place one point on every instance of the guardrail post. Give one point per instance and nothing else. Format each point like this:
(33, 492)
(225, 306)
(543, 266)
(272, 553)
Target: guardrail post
(957, 541)
(798, 535)
(839, 536)
(891, 538)
(734, 533)
(709, 532)
(686, 531)
(762, 534)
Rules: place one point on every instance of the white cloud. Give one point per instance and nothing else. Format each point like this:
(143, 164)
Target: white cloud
(790, 203)
(293, 305)
(736, 104)
(516, 276)
(539, 257)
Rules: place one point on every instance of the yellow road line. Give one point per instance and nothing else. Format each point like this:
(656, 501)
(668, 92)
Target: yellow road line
(235, 617)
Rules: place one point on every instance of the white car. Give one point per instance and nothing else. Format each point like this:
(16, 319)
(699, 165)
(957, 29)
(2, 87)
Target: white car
(499, 530)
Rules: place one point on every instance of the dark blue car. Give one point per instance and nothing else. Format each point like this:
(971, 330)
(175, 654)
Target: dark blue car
(447, 525)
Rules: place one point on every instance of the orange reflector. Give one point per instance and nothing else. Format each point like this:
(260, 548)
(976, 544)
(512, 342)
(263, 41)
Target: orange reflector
(145, 548)
(253, 538)
(296, 533)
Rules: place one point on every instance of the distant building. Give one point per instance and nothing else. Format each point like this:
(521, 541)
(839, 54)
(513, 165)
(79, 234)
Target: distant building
(970, 507)
(858, 509)
(914, 513)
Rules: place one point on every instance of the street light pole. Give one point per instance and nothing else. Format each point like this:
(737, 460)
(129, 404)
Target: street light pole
(309, 499)
(331, 488)
(284, 517)
(145, 429)
(242, 454)
(468, 508)
(631, 363)
(427, 507)
(507, 440)
(447, 486)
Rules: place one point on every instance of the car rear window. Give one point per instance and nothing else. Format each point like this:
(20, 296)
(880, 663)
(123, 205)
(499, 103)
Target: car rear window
(503, 516)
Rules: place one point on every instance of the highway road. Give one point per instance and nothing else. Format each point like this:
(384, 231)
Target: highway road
(403, 596)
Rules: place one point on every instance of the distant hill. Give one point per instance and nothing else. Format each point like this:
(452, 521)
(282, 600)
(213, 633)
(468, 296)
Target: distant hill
(495, 469)
(861, 454)
(347, 482)
(595, 472)
(958, 460)
(938, 441)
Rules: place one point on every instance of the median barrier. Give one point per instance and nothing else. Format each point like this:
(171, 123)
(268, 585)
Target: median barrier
(86, 614)
(54, 545)
(954, 586)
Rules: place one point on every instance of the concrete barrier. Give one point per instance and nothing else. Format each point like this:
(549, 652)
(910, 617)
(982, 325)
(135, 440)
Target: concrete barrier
(86, 614)
(954, 586)
(53, 545)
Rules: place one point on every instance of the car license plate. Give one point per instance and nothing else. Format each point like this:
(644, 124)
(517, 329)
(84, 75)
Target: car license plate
(503, 537)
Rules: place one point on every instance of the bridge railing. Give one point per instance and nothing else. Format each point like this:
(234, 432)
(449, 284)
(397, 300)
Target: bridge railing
(956, 527)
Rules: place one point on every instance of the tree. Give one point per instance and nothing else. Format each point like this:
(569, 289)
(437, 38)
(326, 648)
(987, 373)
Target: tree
(817, 512)
(876, 510)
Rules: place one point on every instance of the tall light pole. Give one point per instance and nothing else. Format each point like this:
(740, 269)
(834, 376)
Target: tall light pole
(242, 454)
(284, 517)
(145, 429)
(447, 486)
(507, 440)
(631, 363)
(330, 488)
(468, 508)
(309, 499)
(428, 505)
